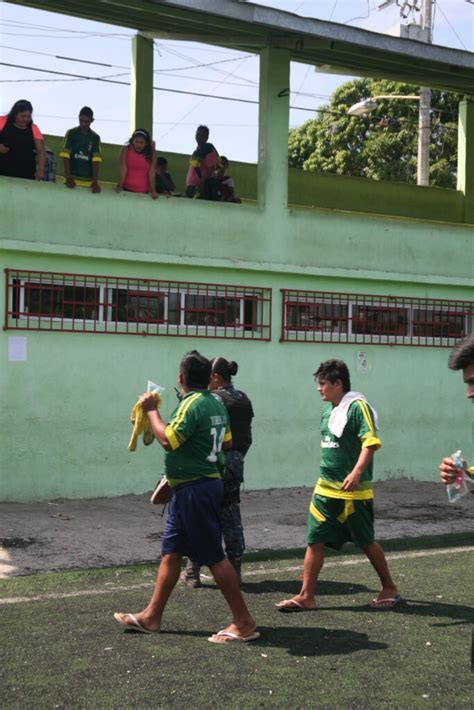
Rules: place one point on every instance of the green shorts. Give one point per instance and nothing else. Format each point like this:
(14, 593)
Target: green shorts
(338, 521)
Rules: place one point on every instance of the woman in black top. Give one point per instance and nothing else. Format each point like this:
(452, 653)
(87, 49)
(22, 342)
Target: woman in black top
(240, 411)
(22, 152)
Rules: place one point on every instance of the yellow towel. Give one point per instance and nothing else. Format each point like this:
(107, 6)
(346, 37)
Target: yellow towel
(141, 424)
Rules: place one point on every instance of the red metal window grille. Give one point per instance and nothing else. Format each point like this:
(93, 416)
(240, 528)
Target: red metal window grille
(327, 317)
(39, 300)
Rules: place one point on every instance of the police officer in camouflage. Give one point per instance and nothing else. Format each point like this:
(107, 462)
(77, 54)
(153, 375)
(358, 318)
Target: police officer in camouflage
(239, 408)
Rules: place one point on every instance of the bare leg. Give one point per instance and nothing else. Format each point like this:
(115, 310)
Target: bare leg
(376, 557)
(226, 579)
(166, 579)
(313, 562)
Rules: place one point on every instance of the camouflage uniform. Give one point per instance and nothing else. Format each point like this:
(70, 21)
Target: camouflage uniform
(231, 521)
(240, 411)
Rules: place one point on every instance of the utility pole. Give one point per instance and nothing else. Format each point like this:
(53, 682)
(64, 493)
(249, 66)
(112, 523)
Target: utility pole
(424, 116)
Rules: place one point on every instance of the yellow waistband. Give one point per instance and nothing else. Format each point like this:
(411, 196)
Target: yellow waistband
(333, 490)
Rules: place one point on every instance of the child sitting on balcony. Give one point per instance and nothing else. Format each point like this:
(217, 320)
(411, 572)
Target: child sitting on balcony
(163, 181)
(22, 153)
(226, 181)
(138, 165)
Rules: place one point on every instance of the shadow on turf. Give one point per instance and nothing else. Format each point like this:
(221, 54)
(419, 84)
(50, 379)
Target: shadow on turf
(328, 588)
(420, 607)
(317, 641)
(308, 641)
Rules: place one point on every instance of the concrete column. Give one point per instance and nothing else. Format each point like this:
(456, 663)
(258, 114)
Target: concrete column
(273, 127)
(466, 157)
(141, 84)
(466, 148)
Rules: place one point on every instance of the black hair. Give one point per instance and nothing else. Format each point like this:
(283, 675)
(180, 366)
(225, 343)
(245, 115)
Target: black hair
(462, 355)
(161, 161)
(332, 370)
(87, 111)
(203, 128)
(196, 370)
(148, 150)
(223, 157)
(224, 368)
(19, 107)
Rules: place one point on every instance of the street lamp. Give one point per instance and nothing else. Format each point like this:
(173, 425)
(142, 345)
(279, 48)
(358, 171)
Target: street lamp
(368, 105)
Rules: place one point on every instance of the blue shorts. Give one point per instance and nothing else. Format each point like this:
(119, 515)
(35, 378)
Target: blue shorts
(193, 527)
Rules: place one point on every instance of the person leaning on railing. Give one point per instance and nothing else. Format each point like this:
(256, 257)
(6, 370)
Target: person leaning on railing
(22, 152)
(202, 167)
(81, 152)
(138, 165)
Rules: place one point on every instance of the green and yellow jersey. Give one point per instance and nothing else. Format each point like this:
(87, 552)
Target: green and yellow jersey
(340, 454)
(82, 149)
(196, 431)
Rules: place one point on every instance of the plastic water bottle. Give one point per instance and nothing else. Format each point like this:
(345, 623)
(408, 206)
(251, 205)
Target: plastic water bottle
(458, 488)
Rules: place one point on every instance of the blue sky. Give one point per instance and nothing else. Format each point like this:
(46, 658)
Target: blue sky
(35, 39)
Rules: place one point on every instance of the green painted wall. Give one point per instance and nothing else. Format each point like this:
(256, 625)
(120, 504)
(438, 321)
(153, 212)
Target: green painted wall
(64, 418)
(53, 219)
(314, 190)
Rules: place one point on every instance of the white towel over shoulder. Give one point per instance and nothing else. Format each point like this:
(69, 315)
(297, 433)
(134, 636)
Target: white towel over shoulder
(338, 417)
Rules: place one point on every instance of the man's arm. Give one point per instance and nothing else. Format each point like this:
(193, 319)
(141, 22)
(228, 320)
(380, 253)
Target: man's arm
(449, 472)
(41, 158)
(95, 187)
(158, 426)
(366, 455)
(123, 168)
(65, 153)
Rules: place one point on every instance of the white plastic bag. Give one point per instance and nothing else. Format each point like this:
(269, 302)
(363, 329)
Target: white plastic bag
(152, 387)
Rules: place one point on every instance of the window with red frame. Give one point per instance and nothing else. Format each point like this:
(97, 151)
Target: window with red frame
(323, 316)
(39, 300)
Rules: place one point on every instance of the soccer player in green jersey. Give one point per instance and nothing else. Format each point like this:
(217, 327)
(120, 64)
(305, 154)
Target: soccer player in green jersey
(196, 433)
(341, 508)
(461, 358)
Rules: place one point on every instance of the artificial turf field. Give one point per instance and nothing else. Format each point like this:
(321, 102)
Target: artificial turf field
(61, 648)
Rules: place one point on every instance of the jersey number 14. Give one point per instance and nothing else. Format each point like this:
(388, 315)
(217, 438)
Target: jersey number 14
(217, 440)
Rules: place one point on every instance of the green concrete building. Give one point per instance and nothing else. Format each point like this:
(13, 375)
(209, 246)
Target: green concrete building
(102, 293)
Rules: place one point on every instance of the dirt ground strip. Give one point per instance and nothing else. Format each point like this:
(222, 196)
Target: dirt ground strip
(74, 534)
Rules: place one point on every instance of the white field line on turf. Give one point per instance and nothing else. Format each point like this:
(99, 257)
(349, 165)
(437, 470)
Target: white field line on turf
(264, 571)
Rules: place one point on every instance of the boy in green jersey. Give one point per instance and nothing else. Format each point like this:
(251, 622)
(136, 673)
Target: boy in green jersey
(341, 508)
(82, 153)
(194, 436)
(460, 358)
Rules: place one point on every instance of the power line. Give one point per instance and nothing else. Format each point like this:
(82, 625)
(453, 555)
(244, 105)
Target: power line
(360, 17)
(188, 113)
(109, 80)
(112, 35)
(449, 23)
(215, 69)
(155, 123)
(163, 72)
(207, 64)
(57, 56)
(33, 25)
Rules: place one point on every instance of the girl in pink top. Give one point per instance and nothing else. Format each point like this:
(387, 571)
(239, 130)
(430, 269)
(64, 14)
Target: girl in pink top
(22, 152)
(138, 165)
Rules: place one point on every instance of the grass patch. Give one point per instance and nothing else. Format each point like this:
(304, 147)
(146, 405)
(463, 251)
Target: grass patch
(68, 652)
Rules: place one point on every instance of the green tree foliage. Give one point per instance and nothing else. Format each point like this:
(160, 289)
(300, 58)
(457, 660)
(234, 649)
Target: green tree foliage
(381, 145)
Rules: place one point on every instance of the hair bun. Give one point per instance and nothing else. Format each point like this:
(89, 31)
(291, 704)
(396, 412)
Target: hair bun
(233, 368)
